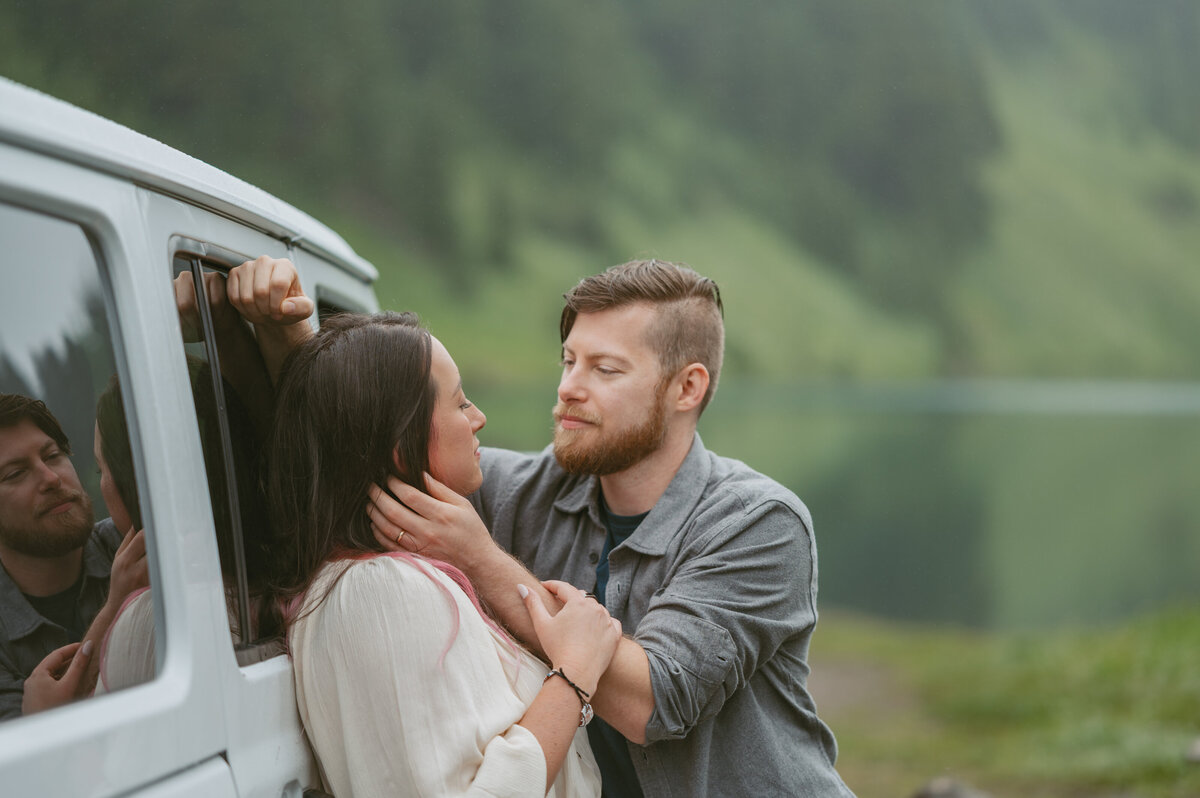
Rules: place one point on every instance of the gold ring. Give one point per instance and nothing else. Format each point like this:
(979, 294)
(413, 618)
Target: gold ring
(399, 536)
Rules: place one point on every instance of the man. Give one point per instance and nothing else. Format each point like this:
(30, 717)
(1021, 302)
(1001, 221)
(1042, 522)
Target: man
(712, 565)
(57, 565)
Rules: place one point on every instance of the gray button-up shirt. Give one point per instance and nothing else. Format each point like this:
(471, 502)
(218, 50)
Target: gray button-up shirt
(719, 586)
(26, 637)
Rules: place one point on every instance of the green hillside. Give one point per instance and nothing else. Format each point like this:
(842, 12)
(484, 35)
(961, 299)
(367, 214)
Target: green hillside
(1091, 269)
(1088, 269)
(885, 190)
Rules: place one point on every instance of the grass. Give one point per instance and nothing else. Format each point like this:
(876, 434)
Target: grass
(1083, 713)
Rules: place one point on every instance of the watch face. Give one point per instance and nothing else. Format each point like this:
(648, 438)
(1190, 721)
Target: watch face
(586, 715)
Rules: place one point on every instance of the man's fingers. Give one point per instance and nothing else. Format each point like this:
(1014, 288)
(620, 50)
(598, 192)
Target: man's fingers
(437, 490)
(214, 286)
(262, 287)
(268, 289)
(388, 533)
(561, 590)
(411, 499)
(297, 307)
(185, 293)
(395, 541)
(281, 287)
(387, 541)
(231, 286)
(392, 511)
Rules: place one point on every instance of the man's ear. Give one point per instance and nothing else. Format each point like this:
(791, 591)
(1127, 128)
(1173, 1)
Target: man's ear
(692, 383)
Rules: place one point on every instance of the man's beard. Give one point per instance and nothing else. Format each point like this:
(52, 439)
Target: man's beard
(610, 453)
(53, 536)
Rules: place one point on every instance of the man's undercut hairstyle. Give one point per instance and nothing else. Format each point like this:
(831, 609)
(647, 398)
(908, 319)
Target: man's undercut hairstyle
(690, 325)
(15, 408)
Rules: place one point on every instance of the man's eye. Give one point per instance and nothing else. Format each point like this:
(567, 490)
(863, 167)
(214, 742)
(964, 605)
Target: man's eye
(11, 476)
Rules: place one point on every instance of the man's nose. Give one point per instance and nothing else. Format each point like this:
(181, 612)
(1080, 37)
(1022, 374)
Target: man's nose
(48, 478)
(570, 387)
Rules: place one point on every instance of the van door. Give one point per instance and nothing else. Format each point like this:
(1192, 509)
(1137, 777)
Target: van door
(267, 750)
(86, 300)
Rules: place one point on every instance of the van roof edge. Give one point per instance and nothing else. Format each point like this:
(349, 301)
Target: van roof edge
(37, 121)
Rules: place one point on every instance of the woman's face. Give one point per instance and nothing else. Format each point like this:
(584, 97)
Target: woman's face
(453, 447)
(108, 488)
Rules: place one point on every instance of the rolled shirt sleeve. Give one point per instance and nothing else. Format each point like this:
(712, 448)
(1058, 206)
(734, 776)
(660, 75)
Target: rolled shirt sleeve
(748, 587)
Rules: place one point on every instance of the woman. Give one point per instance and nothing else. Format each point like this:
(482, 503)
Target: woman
(404, 684)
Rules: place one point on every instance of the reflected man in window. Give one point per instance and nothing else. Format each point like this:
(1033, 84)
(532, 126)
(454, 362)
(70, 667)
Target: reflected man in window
(57, 566)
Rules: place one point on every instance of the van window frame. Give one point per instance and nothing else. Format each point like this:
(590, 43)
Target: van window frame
(200, 255)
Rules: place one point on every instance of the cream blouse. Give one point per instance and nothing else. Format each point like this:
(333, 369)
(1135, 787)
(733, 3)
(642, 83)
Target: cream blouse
(388, 716)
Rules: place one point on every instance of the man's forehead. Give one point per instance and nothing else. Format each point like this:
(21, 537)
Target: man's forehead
(16, 439)
(619, 331)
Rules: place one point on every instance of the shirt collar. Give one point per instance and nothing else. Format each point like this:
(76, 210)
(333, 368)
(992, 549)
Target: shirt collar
(582, 495)
(672, 510)
(97, 564)
(669, 513)
(18, 617)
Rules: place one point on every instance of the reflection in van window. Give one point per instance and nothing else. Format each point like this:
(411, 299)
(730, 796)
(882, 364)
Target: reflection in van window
(65, 509)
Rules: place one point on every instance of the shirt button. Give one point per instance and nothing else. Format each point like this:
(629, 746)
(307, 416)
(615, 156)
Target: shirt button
(593, 558)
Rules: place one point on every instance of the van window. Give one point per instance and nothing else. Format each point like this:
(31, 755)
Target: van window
(56, 346)
(330, 303)
(233, 398)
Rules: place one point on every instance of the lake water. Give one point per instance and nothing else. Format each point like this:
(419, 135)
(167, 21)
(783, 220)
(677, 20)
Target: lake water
(999, 505)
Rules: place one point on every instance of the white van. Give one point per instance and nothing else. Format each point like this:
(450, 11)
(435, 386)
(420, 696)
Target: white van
(99, 227)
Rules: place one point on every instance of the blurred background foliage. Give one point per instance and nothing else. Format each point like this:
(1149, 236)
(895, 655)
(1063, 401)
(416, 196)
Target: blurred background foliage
(908, 206)
(971, 188)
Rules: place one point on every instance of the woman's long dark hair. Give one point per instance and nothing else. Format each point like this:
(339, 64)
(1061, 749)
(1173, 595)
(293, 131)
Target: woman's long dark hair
(245, 440)
(115, 448)
(347, 399)
(354, 405)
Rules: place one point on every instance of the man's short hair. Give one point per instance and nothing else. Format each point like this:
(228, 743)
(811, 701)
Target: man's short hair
(690, 326)
(15, 408)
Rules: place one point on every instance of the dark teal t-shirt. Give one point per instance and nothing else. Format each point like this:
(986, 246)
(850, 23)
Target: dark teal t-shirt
(608, 745)
(62, 608)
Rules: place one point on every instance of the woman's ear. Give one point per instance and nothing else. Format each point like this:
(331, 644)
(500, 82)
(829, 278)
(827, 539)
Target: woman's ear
(396, 461)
